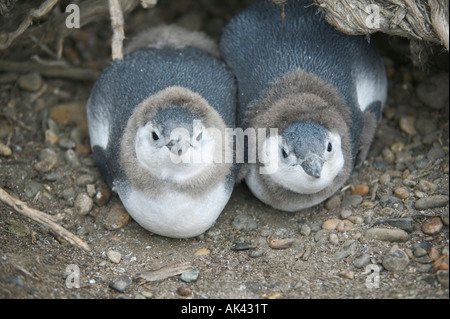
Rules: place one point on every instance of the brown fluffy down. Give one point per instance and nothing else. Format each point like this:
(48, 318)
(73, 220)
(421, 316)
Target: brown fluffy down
(303, 97)
(139, 177)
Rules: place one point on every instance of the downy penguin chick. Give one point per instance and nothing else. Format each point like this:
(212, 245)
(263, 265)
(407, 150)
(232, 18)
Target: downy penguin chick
(323, 91)
(153, 119)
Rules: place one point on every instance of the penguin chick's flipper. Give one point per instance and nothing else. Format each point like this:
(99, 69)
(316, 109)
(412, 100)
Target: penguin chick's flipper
(372, 117)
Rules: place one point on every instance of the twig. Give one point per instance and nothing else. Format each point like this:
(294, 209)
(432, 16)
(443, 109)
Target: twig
(45, 8)
(115, 11)
(56, 72)
(44, 219)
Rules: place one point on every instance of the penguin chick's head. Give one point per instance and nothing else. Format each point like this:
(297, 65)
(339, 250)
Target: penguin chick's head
(174, 144)
(167, 138)
(309, 158)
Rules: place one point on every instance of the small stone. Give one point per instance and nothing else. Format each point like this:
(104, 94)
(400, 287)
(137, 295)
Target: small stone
(30, 82)
(117, 218)
(71, 157)
(83, 204)
(66, 143)
(190, 275)
(305, 230)
(102, 197)
(426, 186)
(388, 156)
(120, 283)
(256, 253)
(401, 193)
(421, 163)
(344, 226)
(90, 189)
(386, 234)
(435, 153)
(434, 253)
(51, 138)
(433, 92)
(346, 213)
(444, 218)
(244, 222)
(395, 260)
(281, 243)
(406, 124)
(425, 126)
(202, 252)
(432, 226)
(391, 201)
(361, 261)
(330, 224)
(349, 248)
(352, 201)
(397, 147)
(385, 179)
(114, 256)
(347, 274)
(334, 239)
(431, 202)
(442, 277)
(358, 220)
(184, 291)
(5, 150)
(85, 179)
(242, 246)
(321, 236)
(407, 224)
(32, 188)
(360, 189)
(73, 112)
(409, 182)
(419, 252)
(47, 160)
(441, 263)
(334, 202)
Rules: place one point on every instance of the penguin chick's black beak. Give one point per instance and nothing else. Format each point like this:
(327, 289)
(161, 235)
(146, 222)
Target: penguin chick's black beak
(312, 165)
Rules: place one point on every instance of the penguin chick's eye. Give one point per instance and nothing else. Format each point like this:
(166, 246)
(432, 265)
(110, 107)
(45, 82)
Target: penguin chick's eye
(330, 147)
(155, 136)
(284, 153)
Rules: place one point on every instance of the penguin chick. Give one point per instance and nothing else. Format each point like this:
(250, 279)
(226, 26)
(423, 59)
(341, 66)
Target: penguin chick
(322, 90)
(151, 118)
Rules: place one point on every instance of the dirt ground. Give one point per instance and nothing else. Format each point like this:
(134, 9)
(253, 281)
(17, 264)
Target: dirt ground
(409, 161)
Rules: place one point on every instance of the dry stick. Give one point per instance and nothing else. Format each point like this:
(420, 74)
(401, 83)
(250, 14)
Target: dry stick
(57, 72)
(45, 8)
(115, 11)
(44, 219)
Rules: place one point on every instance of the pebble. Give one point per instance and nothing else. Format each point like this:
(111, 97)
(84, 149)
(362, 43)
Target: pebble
(305, 230)
(387, 234)
(435, 153)
(184, 291)
(358, 220)
(71, 157)
(361, 261)
(350, 247)
(433, 92)
(116, 218)
(402, 223)
(334, 239)
(73, 112)
(344, 226)
(102, 196)
(409, 182)
(120, 283)
(346, 213)
(360, 189)
(202, 252)
(444, 218)
(47, 160)
(242, 246)
(5, 150)
(352, 201)
(397, 147)
(83, 204)
(426, 186)
(441, 263)
(66, 143)
(431, 202)
(90, 189)
(385, 179)
(407, 125)
(85, 179)
(419, 252)
(32, 188)
(330, 224)
(190, 275)
(347, 274)
(244, 222)
(256, 253)
(442, 277)
(395, 259)
(114, 256)
(434, 253)
(30, 82)
(432, 226)
(401, 193)
(391, 201)
(281, 243)
(425, 126)
(421, 163)
(334, 202)
(388, 156)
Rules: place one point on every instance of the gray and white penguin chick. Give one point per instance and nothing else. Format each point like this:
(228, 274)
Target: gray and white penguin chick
(151, 118)
(323, 91)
